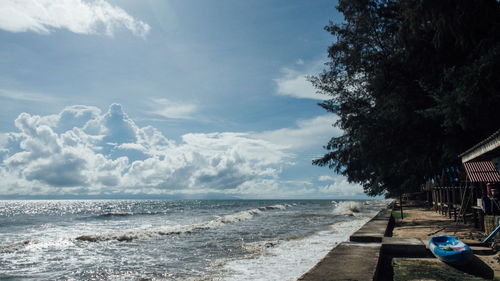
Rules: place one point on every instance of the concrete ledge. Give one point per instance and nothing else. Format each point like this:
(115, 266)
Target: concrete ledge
(348, 261)
(372, 232)
(404, 247)
(359, 259)
(483, 251)
(473, 243)
(385, 214)
(478, 247)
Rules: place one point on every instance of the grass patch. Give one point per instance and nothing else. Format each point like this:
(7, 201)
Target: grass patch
(397, 214)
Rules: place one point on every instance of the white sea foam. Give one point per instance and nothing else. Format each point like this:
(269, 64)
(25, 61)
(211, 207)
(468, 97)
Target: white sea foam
(288, 259)
(56, 237)
(346, 208)
(49, 247)
(179, 229)
(58, 244)
(260, 246)
(13, 247)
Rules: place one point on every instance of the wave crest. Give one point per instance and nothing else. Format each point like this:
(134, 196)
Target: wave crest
(144, 234)
(116, 214)
(13, 247)
(275, 207)
(346, 208)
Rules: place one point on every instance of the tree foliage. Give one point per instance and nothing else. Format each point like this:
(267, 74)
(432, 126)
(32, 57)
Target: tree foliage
(414, 83)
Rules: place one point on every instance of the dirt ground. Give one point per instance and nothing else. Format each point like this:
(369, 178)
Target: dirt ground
(423, 223)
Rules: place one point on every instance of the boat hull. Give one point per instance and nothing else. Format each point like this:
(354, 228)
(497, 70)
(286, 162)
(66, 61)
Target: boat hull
(450, 249)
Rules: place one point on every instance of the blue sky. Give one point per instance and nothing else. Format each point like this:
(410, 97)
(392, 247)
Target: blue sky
(165, 98)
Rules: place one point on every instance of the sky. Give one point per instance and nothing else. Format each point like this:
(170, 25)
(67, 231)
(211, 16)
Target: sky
(165, 99)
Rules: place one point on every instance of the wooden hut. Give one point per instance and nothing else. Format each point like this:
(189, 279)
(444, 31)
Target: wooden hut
(481, 164)
(472, 190)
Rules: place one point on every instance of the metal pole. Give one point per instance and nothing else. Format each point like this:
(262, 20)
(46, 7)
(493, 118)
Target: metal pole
(401, 204)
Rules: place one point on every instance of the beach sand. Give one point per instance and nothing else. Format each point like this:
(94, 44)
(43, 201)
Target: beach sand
(423, 223)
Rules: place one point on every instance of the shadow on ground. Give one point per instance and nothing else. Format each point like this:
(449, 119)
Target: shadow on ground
(477, 268)
(434, 269)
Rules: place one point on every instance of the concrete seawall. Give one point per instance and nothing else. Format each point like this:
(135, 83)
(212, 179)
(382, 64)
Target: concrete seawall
(358, 259)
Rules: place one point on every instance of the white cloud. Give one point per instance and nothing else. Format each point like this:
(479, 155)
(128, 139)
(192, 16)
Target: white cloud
(173, 110)
(326, 178)
(84, 151)
(294, 83)
(308, 133)
(78, 16)
(76, 116)
(340, 187)
(26, 96)
(265, 188)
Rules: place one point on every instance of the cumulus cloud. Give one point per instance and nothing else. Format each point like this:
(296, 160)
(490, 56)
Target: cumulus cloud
(307, 133)
(78, 16)
(294, 82)
(340, 186)
(82, 150)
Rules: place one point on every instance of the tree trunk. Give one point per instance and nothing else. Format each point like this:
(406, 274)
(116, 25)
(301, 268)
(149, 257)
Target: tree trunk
(401, 204)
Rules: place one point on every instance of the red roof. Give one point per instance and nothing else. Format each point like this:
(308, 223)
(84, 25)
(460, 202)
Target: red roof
(482, 172)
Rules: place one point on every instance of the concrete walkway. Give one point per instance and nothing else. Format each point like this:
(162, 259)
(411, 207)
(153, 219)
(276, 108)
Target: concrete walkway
(358, 259)
(348, 261)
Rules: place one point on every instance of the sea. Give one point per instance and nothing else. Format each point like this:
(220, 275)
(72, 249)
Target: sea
(173, 239)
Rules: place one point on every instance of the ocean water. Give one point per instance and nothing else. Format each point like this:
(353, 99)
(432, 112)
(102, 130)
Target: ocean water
(173, 239)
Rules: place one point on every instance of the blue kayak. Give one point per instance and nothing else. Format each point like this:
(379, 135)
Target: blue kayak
(450, 249)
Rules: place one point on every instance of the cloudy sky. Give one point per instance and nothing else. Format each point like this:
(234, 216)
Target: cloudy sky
(164, 98)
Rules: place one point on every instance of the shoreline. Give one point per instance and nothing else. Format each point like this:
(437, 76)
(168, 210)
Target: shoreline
(360, 257)
(389, 249)
(275, 242)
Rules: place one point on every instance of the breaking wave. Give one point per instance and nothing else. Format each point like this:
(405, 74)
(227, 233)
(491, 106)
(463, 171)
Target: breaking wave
(176, 230)
(275, 207)
(346, 208)
(13, 247)
(116, 214)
